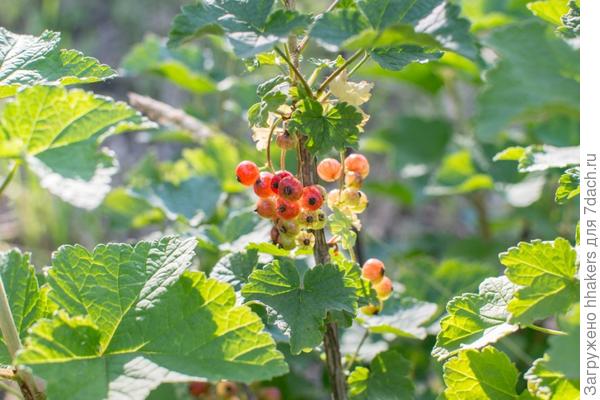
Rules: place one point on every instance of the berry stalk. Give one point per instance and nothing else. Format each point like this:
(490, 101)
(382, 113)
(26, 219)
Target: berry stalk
(331, 343)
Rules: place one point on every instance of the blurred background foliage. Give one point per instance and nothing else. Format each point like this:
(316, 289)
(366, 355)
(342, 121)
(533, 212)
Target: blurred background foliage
(440, 208)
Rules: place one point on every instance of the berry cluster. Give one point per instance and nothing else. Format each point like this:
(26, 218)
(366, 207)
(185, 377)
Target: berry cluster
(294, 209)
(350, 198)
(227, 390)
(373, 270)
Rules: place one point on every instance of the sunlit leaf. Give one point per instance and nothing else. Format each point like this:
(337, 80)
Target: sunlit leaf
(133, 318)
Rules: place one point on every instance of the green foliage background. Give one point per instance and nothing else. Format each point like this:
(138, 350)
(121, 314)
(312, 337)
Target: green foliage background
(441, 209)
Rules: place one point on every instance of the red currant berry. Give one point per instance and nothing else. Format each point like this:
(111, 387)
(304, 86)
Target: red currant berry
(305, 240)
(353, 180)
(321, 220)
(329, 170)
(274, 235)
(278, 177)
(226, 389)
(384, 288)
(350, 197)
(357, 163)
(270, 393)
(333, 198)
(288, 227)
(286, 140)
(312, 198)
(373, 270)
(198, 389)
(287, 242)
(290, 188)
(287, 209)
(262, 186)
(266, 208)
(247, 173)
(370, 309)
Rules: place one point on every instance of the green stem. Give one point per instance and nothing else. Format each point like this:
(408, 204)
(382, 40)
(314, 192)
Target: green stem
(270, 138)
(296, 72)
(357, 351)
(338, 71)
(7, 387)
(359, 64)
(546, 330)
(9, 177)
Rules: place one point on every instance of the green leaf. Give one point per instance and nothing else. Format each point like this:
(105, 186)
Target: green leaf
(335, 127)
(44, 117)
(302, 301)
(401, 316)
(78, 173)
(438, 18)
(388, 378)
(476, 320)
(457, 175)
(217, 157)
(571, 21)
(546, 384)
(341, 225)
(332, 29)
(486, 374)
(439, 281)
(195, 198)
(269, 248)
(24, 297)
(398, 57)
(540, 157)
(536, 72)
(381, 23)
(549, 10)
(131, 211)
(249, 25)
(29, 60)
(405, 147)
(181, 66)
(272, 94)
(563, 354)
(133, 318)
(235, 268)
(568, 186)
(547, 273)
(398, 191)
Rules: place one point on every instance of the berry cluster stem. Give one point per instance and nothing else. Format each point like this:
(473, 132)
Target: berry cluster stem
(307, 170)
(321, 253)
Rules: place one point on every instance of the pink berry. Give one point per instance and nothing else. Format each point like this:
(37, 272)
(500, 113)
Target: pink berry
(266, 208)
(279, 175)
(329, 170)
(357, 163)
(262, 186)
(373, 270)
(287, 209)
(312, 198)
(290, 188)
(247, 173)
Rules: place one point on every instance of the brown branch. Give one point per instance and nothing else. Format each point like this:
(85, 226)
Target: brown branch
(168, 115)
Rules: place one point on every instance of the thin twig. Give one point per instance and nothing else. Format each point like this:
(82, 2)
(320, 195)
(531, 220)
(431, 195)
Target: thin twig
(7, 387)
(9, 176)
(359, 64)
(546, 330)
(304, 40)
(338, 71)
(165, 114)
(357, 351)
(269, 140)
(296, 72)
